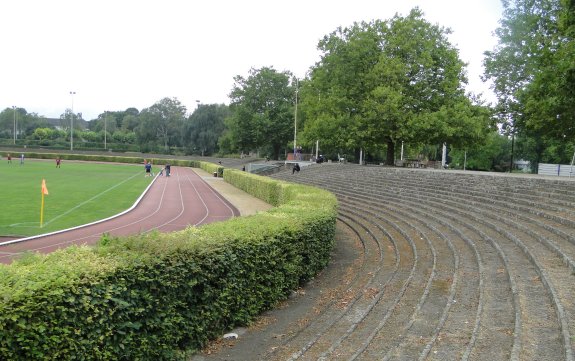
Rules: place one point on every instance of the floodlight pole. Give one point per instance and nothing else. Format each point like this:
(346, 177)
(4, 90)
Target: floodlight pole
(295, 122)
(72, 123)
(14, 107)
(105, 128)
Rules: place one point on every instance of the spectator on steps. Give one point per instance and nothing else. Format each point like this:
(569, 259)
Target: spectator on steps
(295, 168)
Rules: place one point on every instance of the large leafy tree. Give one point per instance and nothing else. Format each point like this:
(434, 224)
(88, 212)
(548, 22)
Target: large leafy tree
(161, 124)
(125, 119)
(68, 119)
(204, 128)
(8, 119)
(549, 99)
(262, 110)
(388, 81)
(106, 120)
(130, 122)
(533, 70)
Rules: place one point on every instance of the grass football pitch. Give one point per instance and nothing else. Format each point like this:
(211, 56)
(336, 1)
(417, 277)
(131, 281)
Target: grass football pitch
(79, 193)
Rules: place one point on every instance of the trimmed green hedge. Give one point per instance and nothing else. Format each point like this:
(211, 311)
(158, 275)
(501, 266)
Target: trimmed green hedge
(208, 167)
(160, 296)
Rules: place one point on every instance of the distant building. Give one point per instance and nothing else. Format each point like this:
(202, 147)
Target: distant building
(522, 165)
(59, 123)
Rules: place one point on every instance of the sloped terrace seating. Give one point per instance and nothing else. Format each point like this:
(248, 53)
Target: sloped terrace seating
(455, 265)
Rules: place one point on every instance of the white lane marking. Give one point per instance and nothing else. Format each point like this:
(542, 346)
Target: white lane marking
(182, 207)
(219, 197)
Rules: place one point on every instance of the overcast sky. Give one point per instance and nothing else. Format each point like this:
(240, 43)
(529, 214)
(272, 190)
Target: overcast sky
(117, 54)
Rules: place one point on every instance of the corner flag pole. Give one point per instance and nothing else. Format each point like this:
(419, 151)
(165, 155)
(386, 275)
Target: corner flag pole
(44, 192)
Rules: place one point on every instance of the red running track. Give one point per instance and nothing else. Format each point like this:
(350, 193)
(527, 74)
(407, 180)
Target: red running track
(169, 204)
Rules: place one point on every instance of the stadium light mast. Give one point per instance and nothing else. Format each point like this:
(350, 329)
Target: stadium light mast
(72, 123)
(295, 121)
(105, 128)
(14, 108)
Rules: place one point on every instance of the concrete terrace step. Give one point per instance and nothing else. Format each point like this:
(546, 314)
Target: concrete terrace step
(491, 259)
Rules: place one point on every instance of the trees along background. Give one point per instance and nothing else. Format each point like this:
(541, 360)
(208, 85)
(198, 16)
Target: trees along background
(533, 74)
(384, 82)
(376, 85)
(262, 112)
(163, 128)
(203, 129)
(119, 127)
(26, 124)
(160, 125)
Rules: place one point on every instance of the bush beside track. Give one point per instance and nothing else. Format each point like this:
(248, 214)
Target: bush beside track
(162, 295)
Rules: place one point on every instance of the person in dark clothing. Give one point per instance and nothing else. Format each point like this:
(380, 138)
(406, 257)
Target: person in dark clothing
(148, 168)
(167, 169)
(295, 168)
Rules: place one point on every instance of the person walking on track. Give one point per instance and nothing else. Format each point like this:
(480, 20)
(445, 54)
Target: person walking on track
(148, 167)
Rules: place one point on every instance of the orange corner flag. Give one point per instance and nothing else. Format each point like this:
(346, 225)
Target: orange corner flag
(44, 192)
(44, 188)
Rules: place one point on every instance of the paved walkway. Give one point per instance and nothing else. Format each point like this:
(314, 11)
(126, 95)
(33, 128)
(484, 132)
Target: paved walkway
(245, 203)
(189, 197)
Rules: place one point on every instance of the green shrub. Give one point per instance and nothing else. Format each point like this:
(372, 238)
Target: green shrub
(158, 296)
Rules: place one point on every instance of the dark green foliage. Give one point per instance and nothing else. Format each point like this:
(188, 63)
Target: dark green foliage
(158, 296)
(203, 128)
(384, 82)
(160, 124)
(262, 113)
(533, 73)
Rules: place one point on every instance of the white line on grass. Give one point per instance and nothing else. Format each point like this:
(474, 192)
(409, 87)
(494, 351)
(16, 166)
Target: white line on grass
(18, 240)
(91, 199)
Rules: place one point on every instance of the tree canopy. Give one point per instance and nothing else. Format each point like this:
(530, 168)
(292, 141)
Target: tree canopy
(388, 81)
(161, 124)
(533, 69)
(262, 110)
(204, 127)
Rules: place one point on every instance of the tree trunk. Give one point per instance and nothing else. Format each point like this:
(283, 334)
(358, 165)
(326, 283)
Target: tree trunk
(276, 150)
(390, 159)
(539, 149)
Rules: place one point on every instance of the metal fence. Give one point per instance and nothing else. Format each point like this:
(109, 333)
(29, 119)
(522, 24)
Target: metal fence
(561, 170)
